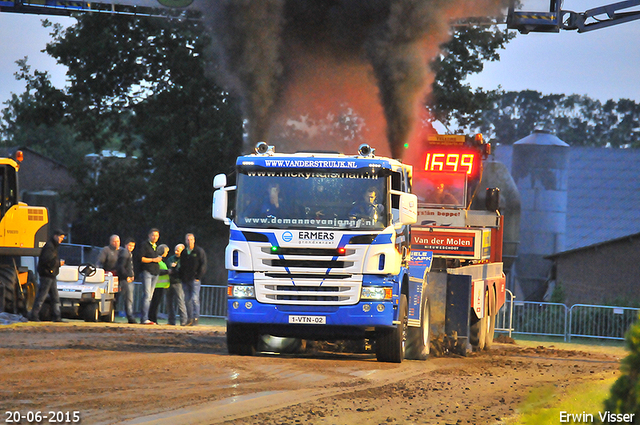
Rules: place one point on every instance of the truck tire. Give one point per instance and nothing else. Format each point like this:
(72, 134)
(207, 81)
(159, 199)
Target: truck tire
(488, 342)
(242, 339)
(9, 282)
(418, 338)
(478, 327)
(391, 342)
(91, 312)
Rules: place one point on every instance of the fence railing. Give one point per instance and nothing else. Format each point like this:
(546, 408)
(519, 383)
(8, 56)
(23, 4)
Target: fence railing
(78, 254)
(597, 321)
(213, 300)
(503, 323)
(554, 319)
(517, 317)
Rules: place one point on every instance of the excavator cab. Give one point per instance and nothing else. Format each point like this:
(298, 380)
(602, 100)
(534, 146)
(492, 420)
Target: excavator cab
(8, 188)
(23, 228)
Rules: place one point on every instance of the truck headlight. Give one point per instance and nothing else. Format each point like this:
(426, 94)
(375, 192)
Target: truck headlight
(241, 291)
(376, 293)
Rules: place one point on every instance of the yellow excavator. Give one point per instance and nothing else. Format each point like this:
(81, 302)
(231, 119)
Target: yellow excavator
(23, 233)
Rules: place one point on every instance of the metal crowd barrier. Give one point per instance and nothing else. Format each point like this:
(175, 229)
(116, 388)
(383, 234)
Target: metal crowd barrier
(555, 319)
(600, 321)
(213, 301)
(504, 323)
(515, 317)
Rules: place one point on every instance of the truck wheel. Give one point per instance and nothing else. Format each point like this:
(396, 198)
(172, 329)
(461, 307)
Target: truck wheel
(111, 317)
(91, 312)
(478, 329)
(9, 281)
(418, 338)
(242, 339)
(391, 342)
(488, 342)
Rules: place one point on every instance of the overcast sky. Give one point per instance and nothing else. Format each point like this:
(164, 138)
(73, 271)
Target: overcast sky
(603, 64)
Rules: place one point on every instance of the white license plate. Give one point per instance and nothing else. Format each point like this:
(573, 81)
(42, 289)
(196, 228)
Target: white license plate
(308, 320)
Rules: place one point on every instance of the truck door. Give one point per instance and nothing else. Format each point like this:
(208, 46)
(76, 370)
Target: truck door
(399, 183)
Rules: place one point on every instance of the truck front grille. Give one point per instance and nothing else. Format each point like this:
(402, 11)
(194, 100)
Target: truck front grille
(307, 258)
(321, 292)
(312, 264)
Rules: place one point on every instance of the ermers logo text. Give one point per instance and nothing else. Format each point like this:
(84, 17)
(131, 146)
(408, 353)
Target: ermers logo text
(316, 236)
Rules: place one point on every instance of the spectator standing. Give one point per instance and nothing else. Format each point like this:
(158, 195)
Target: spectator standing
(193, 265)
(175, 294)
(48, 268)
(124, 269)
(149, 259)
(161, 285)
(108, 257)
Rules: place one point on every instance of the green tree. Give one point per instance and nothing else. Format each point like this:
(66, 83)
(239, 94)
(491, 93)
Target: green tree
(453, 102)
(577, 120)
(625, 392)
(36, 119)
(144, 82)
(140, 86)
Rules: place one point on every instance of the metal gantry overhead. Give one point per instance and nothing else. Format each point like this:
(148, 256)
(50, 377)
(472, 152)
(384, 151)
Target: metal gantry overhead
(555, 18)
(119, 7)
(523, 15)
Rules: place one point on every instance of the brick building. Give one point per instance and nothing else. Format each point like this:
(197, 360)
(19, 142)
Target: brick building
(600, 260)
(605, 273)
(44, 182)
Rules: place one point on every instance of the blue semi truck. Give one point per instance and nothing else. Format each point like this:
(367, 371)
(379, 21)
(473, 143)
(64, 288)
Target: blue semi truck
(320, 248)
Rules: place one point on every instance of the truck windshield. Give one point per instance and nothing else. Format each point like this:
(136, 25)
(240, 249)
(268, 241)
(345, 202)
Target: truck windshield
(440, 189)
(312, 199)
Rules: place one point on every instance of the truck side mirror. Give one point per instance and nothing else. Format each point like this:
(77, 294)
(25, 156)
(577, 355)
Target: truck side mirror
(220, 202)
(408, 208)
(220, 181)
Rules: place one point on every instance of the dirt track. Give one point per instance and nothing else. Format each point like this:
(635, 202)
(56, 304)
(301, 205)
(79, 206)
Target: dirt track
(114, 373)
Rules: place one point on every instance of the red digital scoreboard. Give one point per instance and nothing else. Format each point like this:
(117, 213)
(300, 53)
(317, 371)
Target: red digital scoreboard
(448, 154)
(451, 162)
(446, 169)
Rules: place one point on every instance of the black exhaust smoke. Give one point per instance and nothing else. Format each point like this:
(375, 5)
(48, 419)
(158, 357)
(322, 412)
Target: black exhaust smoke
(259, 45)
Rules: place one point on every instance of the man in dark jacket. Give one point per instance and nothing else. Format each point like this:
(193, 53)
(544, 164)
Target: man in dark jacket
(108, 257)
(193, 265)
(124, 269)
(149, 259)
(175, 295)
(48, 268)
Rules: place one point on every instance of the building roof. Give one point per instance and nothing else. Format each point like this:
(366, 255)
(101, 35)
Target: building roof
(40, 173)
(594, 246)
(603, 199)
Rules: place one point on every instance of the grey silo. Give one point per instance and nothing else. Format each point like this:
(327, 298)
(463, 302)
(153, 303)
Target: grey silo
(540, 169)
